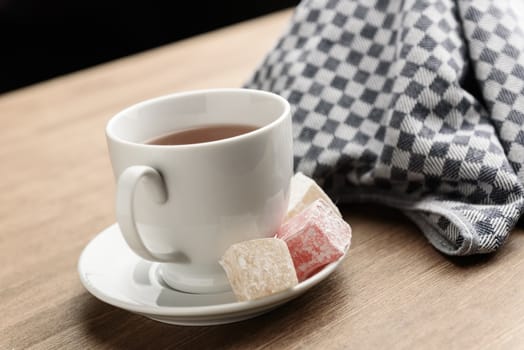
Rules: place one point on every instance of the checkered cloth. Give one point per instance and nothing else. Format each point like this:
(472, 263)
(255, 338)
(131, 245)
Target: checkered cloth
(415, 104)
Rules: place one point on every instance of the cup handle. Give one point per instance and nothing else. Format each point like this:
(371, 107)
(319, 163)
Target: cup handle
(125, 197)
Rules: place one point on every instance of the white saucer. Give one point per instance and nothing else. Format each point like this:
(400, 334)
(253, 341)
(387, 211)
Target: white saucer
(114, 274)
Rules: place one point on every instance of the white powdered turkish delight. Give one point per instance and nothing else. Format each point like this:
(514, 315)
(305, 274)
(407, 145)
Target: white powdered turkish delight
(303, 192)
(258, 268)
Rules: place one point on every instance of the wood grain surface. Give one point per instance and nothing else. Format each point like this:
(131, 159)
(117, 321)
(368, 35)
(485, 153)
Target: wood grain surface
(393, 291)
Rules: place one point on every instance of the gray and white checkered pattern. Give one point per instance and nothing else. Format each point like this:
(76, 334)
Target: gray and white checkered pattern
(415, 104)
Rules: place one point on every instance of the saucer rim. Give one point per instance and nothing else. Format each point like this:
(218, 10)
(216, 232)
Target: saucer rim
(205, 310)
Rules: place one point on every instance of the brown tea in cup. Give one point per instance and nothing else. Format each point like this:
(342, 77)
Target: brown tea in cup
(205, 133)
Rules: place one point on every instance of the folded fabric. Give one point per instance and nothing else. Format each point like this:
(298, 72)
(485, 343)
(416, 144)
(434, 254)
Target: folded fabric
(414, 104)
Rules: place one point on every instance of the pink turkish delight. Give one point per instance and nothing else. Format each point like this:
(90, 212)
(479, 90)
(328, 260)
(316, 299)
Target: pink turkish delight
(315, 237)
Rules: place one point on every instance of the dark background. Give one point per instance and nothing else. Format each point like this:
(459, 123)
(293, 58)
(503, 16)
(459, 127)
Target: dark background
(41, 39)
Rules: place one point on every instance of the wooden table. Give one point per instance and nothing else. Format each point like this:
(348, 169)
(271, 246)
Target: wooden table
(393, 291)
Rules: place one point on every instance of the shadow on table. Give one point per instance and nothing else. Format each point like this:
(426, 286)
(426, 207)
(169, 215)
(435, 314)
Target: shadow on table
(472, 260)
(116, 328)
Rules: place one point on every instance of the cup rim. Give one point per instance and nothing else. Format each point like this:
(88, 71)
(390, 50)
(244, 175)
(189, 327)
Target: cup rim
(110, 133)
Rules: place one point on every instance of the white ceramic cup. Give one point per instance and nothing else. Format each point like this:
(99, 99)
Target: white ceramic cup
(184, 205)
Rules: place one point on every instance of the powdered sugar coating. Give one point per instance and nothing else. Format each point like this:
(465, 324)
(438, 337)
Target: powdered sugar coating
(315, 237)
(303, 192)
(258, 268)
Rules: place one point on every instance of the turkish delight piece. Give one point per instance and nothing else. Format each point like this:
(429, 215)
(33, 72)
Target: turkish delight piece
(303, 192)
(258, 268)
(315, 237)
